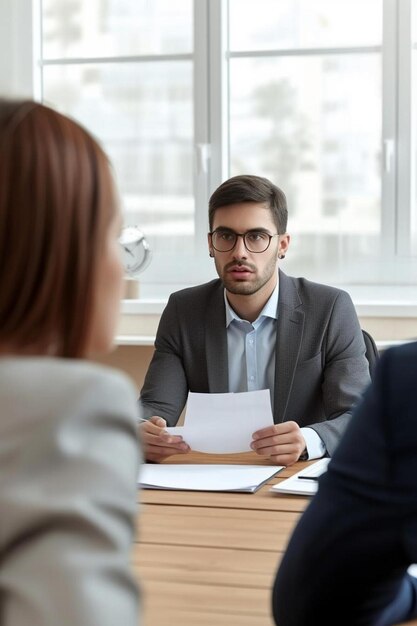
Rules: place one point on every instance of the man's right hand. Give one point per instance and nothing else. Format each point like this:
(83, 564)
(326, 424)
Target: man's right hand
(157, 443)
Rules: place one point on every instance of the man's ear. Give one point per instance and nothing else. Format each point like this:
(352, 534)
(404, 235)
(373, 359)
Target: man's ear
(211, 251)
(284, 242)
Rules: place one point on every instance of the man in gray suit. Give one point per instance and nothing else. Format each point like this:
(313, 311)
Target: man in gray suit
(256, 328)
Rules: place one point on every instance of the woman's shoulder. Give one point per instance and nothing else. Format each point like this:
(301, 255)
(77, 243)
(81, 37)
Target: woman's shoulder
(35, 388)
(48, 371)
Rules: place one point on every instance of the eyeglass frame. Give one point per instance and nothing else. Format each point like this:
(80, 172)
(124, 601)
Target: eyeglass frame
(243, 235)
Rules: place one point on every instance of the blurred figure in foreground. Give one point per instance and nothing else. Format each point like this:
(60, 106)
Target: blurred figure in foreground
(347, 560)
(68, 445)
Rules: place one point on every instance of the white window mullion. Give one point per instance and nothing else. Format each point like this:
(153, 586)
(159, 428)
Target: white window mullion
(404, 129)
(16, 48)
(218, 92)
(37, 58)
(389, 161)
(202, 148)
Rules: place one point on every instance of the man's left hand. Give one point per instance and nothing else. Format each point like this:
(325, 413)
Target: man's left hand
(282, 443)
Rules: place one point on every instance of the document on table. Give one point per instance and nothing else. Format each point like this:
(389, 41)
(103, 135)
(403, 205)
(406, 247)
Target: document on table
(247, 478)
(304, 483)
(223, 423)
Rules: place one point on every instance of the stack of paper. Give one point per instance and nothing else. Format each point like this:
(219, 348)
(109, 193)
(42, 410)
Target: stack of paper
(206, 477)
(223, 423)
(303, 483)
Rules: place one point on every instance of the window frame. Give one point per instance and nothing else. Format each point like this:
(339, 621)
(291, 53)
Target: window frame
(20, 74)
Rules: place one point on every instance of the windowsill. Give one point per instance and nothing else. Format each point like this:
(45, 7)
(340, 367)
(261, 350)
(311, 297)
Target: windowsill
(143, 306)
(375, 301)
(135, 340)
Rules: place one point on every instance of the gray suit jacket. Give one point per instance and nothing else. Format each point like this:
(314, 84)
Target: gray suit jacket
(320, 368)
(68, 472)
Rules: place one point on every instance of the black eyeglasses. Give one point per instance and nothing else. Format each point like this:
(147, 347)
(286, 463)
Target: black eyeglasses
(254, 240)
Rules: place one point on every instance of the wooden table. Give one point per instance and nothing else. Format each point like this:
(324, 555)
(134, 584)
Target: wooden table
(209, 559)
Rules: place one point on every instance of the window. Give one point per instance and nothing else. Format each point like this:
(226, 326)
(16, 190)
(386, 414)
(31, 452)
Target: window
(318, 95)
(309, 118)
(126, 71)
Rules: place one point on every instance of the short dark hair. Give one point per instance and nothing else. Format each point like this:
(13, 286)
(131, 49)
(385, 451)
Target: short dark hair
(246, 188)
(56, 202)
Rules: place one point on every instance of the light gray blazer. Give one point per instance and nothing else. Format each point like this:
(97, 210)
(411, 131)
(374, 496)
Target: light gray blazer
(320, 367)
(68, 470)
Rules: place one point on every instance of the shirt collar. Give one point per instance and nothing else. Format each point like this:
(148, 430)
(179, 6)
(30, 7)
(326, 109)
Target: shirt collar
(270, 309)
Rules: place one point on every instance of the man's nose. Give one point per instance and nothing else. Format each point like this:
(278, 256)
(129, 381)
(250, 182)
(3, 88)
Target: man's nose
(239, 250)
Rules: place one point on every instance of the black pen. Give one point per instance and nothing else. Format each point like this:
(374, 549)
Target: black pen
(309, 477)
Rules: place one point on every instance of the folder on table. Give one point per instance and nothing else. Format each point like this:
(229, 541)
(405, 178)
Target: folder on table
(210, 477)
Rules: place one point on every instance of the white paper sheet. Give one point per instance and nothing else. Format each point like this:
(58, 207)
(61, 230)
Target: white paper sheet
(206, 477)
(223, 423)
(300, 486)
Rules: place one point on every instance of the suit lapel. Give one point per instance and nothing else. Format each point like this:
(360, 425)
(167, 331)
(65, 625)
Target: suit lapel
(290, 328)
(216, 343)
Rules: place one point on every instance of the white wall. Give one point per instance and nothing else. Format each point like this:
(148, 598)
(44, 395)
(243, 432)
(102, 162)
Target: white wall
(16, 48)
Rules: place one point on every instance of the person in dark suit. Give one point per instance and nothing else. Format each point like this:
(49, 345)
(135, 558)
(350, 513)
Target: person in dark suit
(346, 562)
(69, 453)
(256, 328)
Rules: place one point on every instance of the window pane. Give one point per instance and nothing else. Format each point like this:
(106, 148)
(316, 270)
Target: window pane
(96, 28)
(313, 126)
(280, 24)
(143, 115)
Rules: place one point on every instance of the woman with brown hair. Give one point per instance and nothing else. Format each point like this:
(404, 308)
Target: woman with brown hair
(68, 446)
